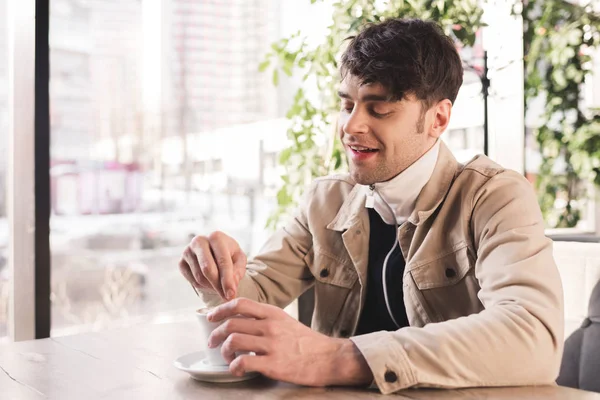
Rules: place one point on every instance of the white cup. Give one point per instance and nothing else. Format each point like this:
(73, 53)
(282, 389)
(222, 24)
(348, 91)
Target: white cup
(213, 355)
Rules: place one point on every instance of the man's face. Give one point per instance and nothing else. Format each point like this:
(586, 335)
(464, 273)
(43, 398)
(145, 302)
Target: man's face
(383, 138)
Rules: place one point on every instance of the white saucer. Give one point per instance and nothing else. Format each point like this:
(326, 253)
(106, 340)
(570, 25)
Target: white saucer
(195, 364)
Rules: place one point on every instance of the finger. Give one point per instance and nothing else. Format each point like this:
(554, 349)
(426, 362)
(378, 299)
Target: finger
(199, 280)
(244, 307)
(222, 256)
(240, 263)
(234, 325)
(206, 264)
(238, 276)
(185, 270)
(192, 272)
(239, 342)
(248, 363)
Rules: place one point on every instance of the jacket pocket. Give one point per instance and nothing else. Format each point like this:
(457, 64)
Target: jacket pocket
(335, 280)
(446, 270)
(330, 270)
(447, 286)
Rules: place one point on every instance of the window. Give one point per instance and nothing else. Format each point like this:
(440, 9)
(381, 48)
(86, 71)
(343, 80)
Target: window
(146, 99)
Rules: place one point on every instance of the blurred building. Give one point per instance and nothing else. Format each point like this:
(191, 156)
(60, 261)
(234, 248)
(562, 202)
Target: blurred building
(215, 48)
(94, 55)
(211, 79)
(109, 58)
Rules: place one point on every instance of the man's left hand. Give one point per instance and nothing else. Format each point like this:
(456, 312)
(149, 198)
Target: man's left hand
(284, 348)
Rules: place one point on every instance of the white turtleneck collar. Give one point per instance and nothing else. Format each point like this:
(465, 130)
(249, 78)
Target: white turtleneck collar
(395, 199)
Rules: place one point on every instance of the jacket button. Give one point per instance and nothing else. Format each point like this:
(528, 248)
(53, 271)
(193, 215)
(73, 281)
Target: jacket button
(450, 273)
(358, 232)
(390, 376)
(324, 273)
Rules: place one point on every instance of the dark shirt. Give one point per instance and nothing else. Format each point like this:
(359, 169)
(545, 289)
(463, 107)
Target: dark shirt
(375, 316)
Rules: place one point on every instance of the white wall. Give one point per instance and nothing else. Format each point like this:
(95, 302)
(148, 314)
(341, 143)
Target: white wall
(579, 267)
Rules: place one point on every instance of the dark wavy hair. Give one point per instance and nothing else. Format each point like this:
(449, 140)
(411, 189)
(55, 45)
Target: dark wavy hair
(406, 56)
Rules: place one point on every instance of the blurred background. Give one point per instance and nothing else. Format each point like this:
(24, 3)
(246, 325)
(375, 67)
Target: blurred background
(173, 118)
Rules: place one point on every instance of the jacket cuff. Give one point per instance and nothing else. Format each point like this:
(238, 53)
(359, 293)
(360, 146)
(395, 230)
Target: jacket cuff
(246, 289)
(387, 360)
(210, 298)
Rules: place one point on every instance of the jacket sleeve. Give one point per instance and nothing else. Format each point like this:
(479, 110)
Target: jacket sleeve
(518, 338)
(279, 273)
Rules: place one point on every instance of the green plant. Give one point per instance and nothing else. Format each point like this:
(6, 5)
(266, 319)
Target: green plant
(559, 37)
(314, 150)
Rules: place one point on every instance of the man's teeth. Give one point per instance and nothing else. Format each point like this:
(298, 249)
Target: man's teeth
(360, 148)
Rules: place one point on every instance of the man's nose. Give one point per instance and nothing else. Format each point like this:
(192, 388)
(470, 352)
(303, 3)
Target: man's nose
(356, 123)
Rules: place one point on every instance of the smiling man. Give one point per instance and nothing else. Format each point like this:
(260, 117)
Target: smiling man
(427, 272)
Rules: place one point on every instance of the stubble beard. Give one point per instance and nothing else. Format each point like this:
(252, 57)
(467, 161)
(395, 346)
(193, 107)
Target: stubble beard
(369, 177)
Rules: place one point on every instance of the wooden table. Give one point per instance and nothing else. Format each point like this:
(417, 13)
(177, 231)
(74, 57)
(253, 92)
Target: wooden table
(137, 363)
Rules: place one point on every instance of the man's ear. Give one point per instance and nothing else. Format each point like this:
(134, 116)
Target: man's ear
(441, 118)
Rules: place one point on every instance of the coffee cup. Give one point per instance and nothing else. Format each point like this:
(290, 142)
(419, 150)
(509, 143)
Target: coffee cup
(213, 355)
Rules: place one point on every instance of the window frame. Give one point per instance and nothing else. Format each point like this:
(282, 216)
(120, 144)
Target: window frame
(28, 172)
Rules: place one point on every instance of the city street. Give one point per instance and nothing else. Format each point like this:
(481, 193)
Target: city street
(115, 270)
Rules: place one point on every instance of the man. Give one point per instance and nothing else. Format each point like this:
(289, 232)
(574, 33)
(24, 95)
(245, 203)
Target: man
(427, 273)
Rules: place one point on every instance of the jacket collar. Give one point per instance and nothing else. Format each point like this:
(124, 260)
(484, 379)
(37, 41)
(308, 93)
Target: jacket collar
(429, 199)
(351, 211)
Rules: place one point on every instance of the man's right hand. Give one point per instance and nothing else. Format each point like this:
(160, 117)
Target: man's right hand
(214, 262)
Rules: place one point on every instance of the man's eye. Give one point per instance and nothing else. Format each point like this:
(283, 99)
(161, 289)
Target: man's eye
(379, 115)
(347, 107)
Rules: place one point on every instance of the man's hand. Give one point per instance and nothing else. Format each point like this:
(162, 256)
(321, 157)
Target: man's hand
(214, 262)
(285, 349)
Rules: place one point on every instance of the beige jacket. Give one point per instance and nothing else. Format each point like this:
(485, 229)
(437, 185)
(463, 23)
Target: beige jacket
(481, 288)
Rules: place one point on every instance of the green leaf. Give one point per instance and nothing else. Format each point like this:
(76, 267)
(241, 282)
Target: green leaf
(283, 198)
(338, 160)
(574, 37)
(287, 67)
(440, 6)
(262, 67)
(275, 77)
(355, 25)
(558, 76)
(461, 34)
(285, 155)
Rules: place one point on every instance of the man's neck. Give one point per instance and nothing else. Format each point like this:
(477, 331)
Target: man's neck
(395, 199)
